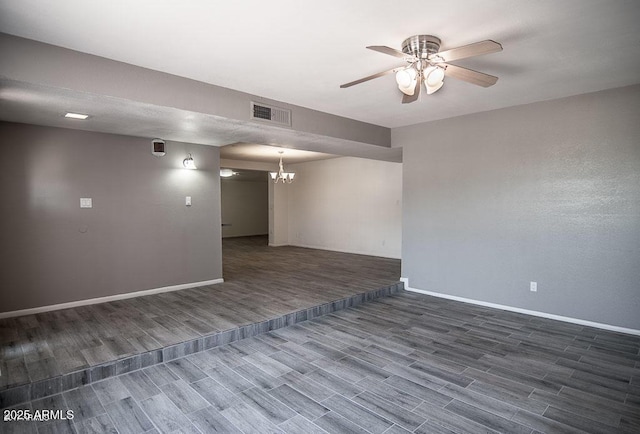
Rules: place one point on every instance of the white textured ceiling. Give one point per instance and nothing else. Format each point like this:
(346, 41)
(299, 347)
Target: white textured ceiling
(269, 154)
(299, 52)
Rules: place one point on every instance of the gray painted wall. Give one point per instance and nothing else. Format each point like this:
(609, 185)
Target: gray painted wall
(346, 204)
(245, 207)
(42, 64)
(139, 234)
(546, 192)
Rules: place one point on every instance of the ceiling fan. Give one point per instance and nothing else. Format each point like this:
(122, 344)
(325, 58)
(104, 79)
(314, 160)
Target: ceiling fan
(426, 63)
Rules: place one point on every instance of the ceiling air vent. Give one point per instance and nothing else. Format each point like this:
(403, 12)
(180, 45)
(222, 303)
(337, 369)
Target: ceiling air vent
(266, 113)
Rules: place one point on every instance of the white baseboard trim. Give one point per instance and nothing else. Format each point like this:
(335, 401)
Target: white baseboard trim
(277, 245)
(525, 311)
(353, 252)
(108, 298)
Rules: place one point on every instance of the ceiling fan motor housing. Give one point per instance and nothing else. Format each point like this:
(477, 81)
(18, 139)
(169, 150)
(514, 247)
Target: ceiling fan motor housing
(421, 46)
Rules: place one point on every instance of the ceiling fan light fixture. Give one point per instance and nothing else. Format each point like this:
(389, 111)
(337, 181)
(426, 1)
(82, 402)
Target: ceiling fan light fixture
(433, 89)
(406, 79)
(408, 91)
(433, 79)
(434, 76)
(405, 76)
(427, 64)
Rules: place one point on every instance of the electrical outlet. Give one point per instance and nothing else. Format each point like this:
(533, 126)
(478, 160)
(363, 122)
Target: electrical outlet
(533, 286)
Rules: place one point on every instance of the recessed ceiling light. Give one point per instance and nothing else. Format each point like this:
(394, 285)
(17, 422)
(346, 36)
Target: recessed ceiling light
(76, 116)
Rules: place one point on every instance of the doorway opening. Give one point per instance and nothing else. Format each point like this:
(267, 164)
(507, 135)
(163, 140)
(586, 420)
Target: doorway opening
(244, 202)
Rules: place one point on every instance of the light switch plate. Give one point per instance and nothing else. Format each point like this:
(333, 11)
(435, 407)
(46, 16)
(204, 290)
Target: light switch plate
(86, 202)
(187, 201)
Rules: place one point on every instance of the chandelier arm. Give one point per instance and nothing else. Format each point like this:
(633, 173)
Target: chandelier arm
(286, 177)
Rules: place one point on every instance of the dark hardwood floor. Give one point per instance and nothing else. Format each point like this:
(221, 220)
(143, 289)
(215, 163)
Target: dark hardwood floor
(404, 363)
(396, 364)
(294, 276)
(79, 345)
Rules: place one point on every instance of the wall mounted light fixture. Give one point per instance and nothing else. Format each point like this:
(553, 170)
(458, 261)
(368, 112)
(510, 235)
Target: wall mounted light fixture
(227, 173)
(188, 162)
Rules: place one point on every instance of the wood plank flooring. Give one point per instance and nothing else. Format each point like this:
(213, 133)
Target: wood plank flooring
(79, 345)
(399, 364)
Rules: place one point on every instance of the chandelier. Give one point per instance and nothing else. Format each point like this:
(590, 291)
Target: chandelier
(281, 174)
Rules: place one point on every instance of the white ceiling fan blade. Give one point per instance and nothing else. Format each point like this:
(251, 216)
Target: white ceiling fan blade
(475, 49)
(370, 77)
(469, 75)
(393, 52)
